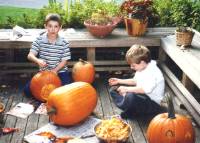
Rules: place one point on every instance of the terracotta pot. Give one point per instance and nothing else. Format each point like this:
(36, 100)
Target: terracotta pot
(135, 27)
(101, 31)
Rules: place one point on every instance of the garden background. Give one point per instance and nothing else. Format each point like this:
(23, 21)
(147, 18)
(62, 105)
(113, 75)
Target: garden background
(165, 13)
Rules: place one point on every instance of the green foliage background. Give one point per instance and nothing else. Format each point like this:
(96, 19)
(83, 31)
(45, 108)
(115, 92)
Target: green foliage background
(171, 13)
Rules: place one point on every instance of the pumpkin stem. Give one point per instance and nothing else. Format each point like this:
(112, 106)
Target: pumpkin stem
(52, 110)
(171, 111)
(81, 60)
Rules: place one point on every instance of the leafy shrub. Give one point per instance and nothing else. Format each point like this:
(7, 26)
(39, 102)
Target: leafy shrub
(52, 7)
(178, 13)
(80, 11)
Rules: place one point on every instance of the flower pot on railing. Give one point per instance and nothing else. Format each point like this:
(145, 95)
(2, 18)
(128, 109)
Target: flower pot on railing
(136, 27)
(184, 36)
(136, 13)
(102, 31)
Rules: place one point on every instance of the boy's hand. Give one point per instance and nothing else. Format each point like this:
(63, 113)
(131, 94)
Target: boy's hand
(55, 71)
(122, 90)
(113, 81)
(41, 63)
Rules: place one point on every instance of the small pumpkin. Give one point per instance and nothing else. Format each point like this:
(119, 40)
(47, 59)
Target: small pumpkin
(170, 127)
(43, 83)
(72, 103)
(2, 107)
(83, 71)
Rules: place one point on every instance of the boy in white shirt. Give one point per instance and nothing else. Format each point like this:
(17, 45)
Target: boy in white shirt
(143, 93)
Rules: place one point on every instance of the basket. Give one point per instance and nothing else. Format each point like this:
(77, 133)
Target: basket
(184, 38)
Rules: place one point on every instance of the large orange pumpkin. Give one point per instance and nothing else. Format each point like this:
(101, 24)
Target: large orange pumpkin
(43, 83)
(83, 71)
(170, 128)
(72, 103)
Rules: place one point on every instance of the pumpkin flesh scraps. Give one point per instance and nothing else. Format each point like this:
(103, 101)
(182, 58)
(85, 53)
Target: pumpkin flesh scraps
(53, 138)
(8, 130)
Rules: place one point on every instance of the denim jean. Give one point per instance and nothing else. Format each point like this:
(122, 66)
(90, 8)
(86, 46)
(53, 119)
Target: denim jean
(64, 77)
(138, 104)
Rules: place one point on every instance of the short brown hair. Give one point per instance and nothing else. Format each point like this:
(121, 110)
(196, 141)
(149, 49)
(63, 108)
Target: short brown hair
(53, 17)
(138, 53)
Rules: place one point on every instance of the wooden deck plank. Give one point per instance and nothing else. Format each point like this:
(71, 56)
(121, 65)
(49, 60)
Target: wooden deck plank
(104, 97)
(21, 124)
(105, 107)
(43, 120)
(98, 110)
(10, 120)
(32, 123)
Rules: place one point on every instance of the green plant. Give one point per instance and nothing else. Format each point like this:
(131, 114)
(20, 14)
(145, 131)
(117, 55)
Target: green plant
(178, 13)
(136, 9)
(100, 18)
(140, 9)
(52, 7)
(80, 11)
(183, 29)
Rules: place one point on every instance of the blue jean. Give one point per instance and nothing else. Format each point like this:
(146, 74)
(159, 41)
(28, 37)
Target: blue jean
(137, 104)
(64, 77)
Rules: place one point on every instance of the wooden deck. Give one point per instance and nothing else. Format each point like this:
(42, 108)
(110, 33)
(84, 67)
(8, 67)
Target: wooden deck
(11, 94)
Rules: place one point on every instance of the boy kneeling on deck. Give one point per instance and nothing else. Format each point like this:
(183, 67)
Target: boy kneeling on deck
(143, 93)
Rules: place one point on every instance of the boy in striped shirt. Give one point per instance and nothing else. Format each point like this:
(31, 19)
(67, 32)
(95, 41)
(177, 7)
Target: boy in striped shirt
(50, 51)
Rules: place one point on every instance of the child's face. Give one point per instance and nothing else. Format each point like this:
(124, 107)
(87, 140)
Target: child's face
(138, 67)
(52, 27)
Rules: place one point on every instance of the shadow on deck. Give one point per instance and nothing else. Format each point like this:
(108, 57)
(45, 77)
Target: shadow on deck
(11, 94)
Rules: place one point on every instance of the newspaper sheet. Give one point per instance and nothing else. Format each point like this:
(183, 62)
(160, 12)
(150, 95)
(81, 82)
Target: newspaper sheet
(83, 129)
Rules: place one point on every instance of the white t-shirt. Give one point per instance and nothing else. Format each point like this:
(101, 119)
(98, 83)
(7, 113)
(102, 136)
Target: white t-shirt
(152, 81)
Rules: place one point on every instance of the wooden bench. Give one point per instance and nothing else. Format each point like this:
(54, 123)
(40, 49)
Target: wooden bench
(188, 60)
(80, 39)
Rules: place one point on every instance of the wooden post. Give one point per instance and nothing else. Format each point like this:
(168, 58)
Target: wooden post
(187, 83)
(91, 54)
(161, 55)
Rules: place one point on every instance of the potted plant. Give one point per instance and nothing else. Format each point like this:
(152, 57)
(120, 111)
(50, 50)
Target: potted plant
(184, 36)
(136, 14)
(101, 24)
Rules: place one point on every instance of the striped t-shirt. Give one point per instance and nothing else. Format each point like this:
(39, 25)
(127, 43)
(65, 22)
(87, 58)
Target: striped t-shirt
(52, 54)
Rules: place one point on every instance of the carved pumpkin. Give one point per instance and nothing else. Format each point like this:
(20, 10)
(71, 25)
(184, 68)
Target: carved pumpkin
(170, 128)
(83, 71)
(43, 83)
(72, 103)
